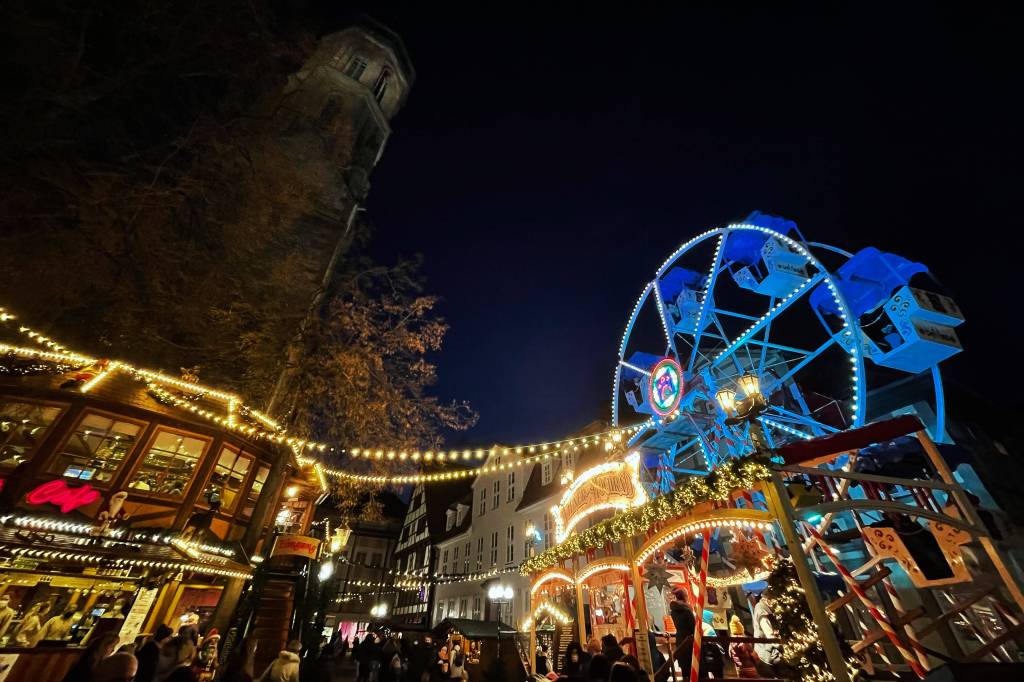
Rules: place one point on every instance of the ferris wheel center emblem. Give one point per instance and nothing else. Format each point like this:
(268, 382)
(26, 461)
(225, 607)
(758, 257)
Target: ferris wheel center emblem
(666, 387)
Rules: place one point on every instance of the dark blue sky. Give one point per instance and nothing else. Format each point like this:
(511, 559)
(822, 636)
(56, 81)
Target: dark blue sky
(546, 163)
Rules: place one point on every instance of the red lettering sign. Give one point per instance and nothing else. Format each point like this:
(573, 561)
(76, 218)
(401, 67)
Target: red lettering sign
(62, 495)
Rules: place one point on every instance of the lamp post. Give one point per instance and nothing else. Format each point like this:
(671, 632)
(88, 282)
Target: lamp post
(746, 409)
(501, 594)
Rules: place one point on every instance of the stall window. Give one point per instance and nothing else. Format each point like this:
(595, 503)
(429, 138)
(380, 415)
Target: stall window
(254, 491)
(229, 475)
(169, 464)
(96, 448)
(22, 427)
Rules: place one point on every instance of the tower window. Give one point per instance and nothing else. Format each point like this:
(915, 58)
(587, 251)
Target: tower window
(381, 86)
(355, 68)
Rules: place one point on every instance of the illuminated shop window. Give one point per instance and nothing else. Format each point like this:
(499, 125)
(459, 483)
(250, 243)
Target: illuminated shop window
(228, 476)
(169, 464)
(96, 448)
(254, 491)
(22, 427)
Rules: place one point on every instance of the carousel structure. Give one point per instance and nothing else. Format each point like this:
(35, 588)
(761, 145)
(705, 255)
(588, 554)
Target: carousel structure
(809, 538)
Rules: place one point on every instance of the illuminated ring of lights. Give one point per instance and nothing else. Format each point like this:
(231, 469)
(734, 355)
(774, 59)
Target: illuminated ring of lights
(742, 519)
(549, 576)
(666, 367)
(613, 563)
(852, 348)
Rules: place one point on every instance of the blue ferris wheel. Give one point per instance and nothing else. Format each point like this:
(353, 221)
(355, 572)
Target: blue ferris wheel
(755, 311)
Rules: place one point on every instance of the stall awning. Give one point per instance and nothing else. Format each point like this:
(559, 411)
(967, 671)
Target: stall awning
(806, 451)
(474, 629)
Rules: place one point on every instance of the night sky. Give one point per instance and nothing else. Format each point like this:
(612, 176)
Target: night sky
(546, 164)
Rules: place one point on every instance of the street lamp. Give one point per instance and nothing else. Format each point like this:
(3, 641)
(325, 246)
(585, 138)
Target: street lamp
(379, 611)
(326, 570)
(747, 410)
(500, 594)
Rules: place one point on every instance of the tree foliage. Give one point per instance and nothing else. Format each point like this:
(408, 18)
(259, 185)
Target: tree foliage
(160, 205)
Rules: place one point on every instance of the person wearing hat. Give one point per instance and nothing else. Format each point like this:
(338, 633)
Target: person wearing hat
(206, 661)
(742, 653)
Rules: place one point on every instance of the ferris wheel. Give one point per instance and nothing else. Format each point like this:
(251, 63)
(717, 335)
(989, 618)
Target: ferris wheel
(799, 332)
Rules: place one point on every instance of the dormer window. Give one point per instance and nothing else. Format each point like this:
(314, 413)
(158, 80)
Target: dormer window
(545, 472)
(450, 519)
(356, 67)
(461, 511)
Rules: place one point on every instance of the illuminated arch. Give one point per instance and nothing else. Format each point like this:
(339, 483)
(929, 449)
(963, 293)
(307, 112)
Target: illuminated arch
(554, 574)
(612, 563)
(750, 519)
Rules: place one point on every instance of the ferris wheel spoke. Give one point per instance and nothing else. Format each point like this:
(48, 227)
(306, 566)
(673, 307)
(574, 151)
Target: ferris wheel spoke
(781, 306)
(666, 321)
(627, 365)
(764, 346)
(798, 366)
(782, 414)
(785, 429)
(709, 291)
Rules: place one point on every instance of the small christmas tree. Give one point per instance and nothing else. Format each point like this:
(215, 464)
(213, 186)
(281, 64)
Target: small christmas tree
(801, 647)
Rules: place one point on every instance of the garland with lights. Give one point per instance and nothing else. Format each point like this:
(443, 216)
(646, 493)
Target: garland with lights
(734, 474)
(801, 647)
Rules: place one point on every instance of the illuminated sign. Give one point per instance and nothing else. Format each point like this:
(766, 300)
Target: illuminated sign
(296, 545)
(60, 494)
(613, 485)
(666, 386)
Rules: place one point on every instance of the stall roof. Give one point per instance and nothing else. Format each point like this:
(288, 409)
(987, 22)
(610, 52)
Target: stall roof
(474, 629)
(803, 452)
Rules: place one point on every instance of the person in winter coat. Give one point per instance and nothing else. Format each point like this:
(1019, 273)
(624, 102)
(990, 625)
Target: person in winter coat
(175, 663)
(576, 662)
(742, 653)
(285, 667)
(684, 622)
(611, 649)
(149, 653)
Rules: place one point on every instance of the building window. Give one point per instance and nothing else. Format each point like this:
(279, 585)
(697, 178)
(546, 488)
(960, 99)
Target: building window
(376, 560)
(545, 472)
(360, 558)
(228, 476)
(494, 548)
(476, 608)
(479, 553)
(440, 612)
(356, 67)
(510, 549)
(462, 607)
(444, 562)
(381, 86)
(511, 494)
(451, 608)
(169, 463)
(497, 493)
(483, 501)
(255, 489)
(547, 530)
(22, 427)
(96, 448)
(455, 559)
(465, 564)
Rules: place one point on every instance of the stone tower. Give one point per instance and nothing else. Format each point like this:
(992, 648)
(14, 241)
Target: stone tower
(334, 119)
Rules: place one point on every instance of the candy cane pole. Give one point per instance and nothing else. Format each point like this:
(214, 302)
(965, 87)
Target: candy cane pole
(851, 582)
(698, 612)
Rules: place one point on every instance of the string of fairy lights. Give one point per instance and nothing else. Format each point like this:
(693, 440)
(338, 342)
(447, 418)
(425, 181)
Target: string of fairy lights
(239, 417)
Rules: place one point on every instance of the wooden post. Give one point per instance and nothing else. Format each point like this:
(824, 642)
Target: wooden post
(775, 493)
(581, 613)
(972, 516)
(643, 643)
(531, 655)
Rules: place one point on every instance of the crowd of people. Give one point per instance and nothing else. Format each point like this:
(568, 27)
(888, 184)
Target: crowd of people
(380, 659)
(162, 657)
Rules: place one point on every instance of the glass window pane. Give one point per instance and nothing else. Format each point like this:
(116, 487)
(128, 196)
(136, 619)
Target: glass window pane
(96, 448)
(22, 427)
(169, 463)
(255, 490)
(228, 477)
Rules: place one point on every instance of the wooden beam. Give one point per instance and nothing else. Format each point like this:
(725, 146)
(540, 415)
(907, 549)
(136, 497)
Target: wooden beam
(955, 610)
(879, 575)
(995, 643)
(876, 635)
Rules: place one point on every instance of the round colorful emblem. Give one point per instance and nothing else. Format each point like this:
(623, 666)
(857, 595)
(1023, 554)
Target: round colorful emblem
(666, 387)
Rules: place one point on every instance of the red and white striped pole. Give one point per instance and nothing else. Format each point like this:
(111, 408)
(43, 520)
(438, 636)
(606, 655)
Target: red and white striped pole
(698, 611)
(872, 608)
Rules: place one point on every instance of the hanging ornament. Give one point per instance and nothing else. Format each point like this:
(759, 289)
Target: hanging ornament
(657, 576)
